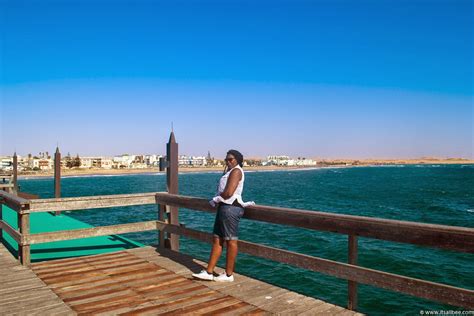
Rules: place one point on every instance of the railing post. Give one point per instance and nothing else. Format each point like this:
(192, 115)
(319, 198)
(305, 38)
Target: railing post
(172, 184)
(15, 174)
(351, 285)
(1, 219)
(161, 217)
(24, 250)
(57, 176)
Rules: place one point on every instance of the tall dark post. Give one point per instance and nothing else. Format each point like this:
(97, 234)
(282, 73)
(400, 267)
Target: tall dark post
(352, 285)
(172, 184)
(57, 176)
(15, 173)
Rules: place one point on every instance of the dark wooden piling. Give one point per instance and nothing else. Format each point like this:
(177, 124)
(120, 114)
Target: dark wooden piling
(172, 185)
(57, 176)
(15, 174)
(352, 285)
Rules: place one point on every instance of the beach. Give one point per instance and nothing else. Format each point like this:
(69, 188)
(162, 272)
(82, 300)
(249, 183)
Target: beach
(332, 163)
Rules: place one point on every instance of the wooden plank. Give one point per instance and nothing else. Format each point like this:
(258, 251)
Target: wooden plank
(42, 293)
(79, 287)
(89, 268)
(234, 309)
(39, 266)
(262, 298)
(440, 236)
(90, 232)
(14, 202)
(86, 266)
(28, 196)
(318, 310)
(162, 284)
(127, 307)
(98, 272)
(118, 307)
(287, 301)
(10, 231)
(90, 202)
(91, 306)
(72, 291)
(204, 307)
(168, 306)
(102, 296)
(416, 287)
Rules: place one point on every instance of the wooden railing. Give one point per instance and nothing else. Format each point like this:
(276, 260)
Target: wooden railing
(459, 239)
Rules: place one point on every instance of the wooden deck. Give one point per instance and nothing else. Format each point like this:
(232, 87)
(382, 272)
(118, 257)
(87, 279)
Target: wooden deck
(23, 293)
(142, 281)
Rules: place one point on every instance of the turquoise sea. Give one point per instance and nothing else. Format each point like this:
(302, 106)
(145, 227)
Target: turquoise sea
(440, 194)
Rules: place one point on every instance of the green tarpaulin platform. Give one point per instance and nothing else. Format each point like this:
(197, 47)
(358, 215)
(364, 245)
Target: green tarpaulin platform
(47, 222)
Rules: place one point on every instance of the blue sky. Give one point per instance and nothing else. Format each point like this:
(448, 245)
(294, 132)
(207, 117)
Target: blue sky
(354, 79)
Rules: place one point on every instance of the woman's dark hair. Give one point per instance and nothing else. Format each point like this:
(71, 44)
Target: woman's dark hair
(238, 156)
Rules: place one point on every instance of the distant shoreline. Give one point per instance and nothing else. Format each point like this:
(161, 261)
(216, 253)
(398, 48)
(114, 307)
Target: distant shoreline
(65, 173)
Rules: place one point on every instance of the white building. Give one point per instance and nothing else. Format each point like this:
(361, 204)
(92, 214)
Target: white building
(192, 161)
(152, 160)
(277, 160)
(287, 161)
(301, 162)
(124, 161)
(6, 163)
(41, 163)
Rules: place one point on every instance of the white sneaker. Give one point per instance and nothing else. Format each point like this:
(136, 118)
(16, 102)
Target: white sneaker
(224, 278)
(203, 275)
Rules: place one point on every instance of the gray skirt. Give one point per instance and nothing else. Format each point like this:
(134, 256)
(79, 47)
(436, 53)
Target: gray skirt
(226, 225)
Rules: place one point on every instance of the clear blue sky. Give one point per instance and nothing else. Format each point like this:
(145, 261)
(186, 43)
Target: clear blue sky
(304, 78)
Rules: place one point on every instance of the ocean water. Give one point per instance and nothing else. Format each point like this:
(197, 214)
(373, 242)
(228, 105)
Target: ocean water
(440, 194)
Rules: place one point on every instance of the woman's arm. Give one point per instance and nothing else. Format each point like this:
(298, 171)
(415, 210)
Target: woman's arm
(232, 183)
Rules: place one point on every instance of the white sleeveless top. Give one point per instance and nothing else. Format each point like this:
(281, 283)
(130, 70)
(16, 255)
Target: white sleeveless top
(238, 191)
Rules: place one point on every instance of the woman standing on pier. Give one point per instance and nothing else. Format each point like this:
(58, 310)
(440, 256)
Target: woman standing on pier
(229, 212)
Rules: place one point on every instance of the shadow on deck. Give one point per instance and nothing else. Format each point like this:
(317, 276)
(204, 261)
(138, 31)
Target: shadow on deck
(145, 281)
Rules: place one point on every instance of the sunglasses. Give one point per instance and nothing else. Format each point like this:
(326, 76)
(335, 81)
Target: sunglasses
(229, 159)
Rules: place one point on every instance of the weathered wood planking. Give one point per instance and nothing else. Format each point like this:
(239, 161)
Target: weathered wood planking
(263, 295)
(439, 236)
(121, 282)
(23, 293)
(143, 281)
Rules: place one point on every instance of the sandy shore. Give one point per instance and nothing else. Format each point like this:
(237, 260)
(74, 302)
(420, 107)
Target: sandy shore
(92, 172)
(326, 163)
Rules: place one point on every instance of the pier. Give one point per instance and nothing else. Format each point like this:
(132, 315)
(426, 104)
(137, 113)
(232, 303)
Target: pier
(157, 279)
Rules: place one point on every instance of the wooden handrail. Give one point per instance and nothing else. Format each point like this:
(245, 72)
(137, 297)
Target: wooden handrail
(15, 234)
(442, 236)
(90, 202)
(416, 287)
(89, 232)
(439, 236)
(14, 202)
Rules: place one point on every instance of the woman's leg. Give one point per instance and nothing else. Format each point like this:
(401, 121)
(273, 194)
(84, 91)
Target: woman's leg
(232, 249)
(215, 253)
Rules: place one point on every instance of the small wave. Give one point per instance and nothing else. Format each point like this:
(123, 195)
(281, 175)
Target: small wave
(470, 210)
